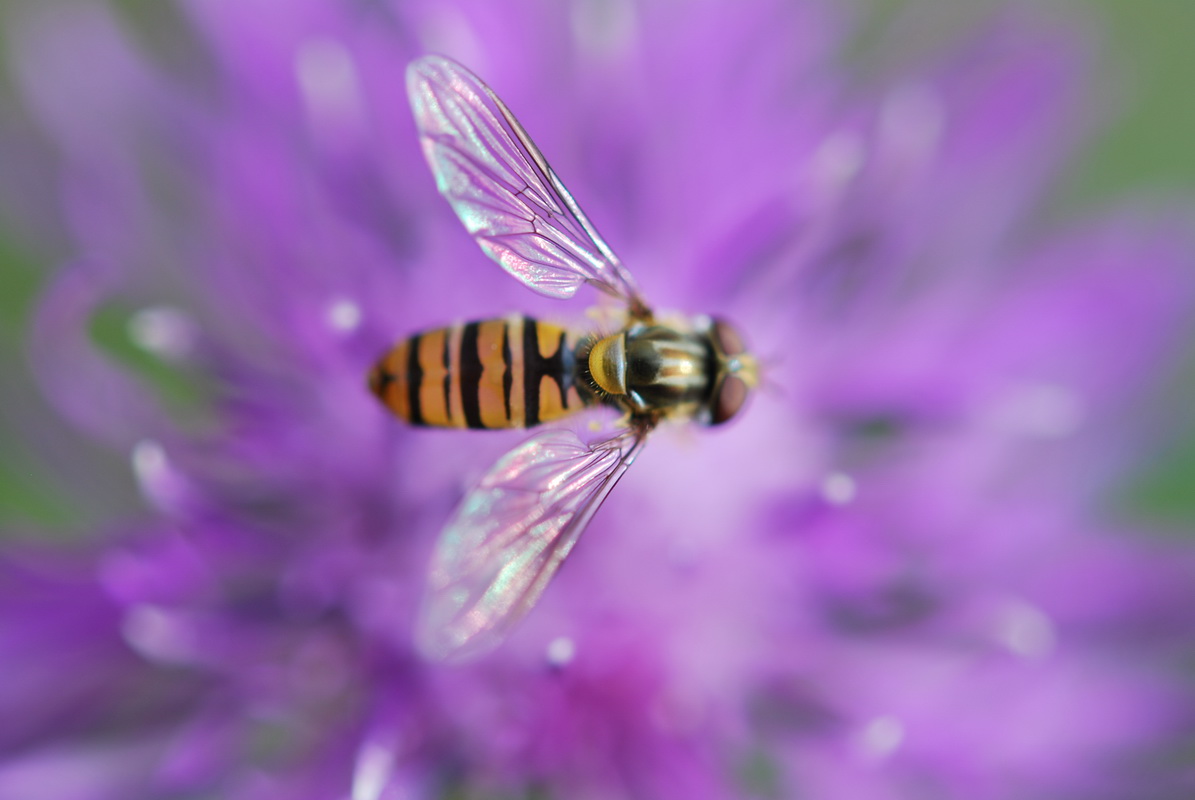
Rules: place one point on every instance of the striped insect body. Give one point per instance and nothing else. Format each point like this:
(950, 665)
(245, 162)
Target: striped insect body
(512, 372)
(513, 530)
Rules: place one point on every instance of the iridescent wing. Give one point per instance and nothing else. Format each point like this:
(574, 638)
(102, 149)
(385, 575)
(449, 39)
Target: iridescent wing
(503, 190)
(510, 535)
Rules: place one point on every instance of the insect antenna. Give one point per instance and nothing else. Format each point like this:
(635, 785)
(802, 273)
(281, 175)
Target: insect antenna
(761, 373)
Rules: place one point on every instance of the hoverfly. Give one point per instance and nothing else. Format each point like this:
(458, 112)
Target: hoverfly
(513, 530)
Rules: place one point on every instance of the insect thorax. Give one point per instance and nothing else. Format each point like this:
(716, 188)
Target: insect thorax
(650, 369)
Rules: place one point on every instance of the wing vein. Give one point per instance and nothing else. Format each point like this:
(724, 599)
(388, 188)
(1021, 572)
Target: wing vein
(477, 149)
(510, 535)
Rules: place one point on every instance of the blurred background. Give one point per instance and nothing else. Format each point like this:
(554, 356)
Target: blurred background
(1141, 149)
(57, 486)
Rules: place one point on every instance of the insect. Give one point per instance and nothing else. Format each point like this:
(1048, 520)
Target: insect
(513, 530)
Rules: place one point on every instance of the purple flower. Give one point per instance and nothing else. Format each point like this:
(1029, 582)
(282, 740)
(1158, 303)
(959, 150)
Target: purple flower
(897, 576)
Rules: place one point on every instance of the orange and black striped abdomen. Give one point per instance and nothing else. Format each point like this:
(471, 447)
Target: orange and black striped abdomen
(513, 372)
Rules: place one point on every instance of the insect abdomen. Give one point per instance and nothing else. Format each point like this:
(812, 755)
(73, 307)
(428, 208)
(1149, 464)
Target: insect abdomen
(513, 372)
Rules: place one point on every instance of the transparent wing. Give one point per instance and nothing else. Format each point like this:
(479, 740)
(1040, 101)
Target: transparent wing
(503, 190)
(510, 535)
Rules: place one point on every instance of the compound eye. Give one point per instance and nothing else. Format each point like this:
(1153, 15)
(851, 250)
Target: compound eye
(728, 399)
(727, 338)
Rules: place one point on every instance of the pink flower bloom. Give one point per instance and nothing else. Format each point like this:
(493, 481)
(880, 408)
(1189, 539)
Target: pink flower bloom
(895, 576)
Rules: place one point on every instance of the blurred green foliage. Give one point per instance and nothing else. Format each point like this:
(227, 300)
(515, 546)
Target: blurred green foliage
(1149, 65)
(27, 492)
(1147, 146)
